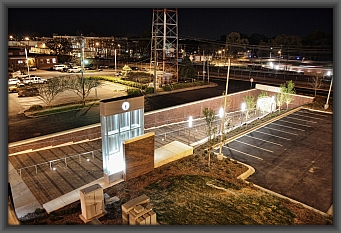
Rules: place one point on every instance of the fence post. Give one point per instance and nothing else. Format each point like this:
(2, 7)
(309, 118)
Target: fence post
(36, 169)
(93, 156)
(65, 162)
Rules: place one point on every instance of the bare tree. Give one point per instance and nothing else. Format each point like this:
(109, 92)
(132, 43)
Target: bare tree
(250, 104)
(50, 90)
(210, 128)
(316, 82)
(288, 90)
(279, 100)
(82, 86)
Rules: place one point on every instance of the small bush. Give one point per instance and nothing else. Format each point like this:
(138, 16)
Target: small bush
(39, 211)
(35, 107)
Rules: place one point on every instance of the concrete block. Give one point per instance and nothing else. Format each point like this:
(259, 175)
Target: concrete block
(126, 207)
(147, 218)
(152, 215)
(140, 221)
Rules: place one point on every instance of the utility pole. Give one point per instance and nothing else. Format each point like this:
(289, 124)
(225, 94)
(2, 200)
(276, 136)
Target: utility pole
(220, 155)
(330, 87)
(203, 66)
(155, 63)
(82, 68)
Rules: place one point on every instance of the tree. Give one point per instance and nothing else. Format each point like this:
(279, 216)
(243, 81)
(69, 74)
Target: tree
(316, 82)
(250, 104)
(263, 94)
(126, 70)
(235, 43)
(287, 91)
(50, 90)
(280, 99)
(210, 129)
(186, 69)
(75, 84)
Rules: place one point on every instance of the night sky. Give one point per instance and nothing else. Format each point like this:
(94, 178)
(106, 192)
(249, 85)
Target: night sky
(194, 23)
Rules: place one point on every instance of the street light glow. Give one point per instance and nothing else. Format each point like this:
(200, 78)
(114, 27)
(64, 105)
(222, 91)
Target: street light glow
(243, 107)
(190, 121)
(221, 112)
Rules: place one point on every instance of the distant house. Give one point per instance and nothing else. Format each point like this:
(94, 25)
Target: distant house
(17, 60)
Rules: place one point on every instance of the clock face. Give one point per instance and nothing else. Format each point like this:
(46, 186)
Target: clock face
(125, 106)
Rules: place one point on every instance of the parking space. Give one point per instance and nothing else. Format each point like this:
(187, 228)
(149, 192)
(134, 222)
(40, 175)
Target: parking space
(292, 156)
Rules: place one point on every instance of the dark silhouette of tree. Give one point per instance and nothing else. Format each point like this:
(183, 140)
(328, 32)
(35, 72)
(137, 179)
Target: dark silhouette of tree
(186, 69)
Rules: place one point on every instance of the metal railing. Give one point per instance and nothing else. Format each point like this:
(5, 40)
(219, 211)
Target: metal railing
(64, 159)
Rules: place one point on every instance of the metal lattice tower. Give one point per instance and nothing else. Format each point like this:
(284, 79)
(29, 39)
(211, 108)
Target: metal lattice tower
(164, 46)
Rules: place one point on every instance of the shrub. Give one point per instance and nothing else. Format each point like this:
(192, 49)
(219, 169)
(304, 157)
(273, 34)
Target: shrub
(149, 90)
(35, 107)
(133, 91)
(39, 211)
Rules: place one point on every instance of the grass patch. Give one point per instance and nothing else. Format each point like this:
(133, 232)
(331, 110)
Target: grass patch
(189, 200)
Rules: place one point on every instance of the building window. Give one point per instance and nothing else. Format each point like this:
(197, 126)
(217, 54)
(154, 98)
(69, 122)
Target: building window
(48, 61)
(54, 60)
(41, 61)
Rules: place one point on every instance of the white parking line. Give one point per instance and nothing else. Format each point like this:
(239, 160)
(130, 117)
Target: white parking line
(294, 123)
(280, 130)
(317, 118)
(274, 135)
(301, 119)
(264, 140)
(253, 146)
(243, 153)
(288, 126)
(312, 113)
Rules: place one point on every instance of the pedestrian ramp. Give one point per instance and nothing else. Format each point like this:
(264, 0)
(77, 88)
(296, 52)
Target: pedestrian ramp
(171, 152)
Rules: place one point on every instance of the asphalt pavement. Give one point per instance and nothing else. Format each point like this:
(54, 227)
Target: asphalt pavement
(292, 156)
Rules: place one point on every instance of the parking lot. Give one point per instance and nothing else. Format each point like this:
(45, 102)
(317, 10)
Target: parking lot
(17, 104)
(292, 156)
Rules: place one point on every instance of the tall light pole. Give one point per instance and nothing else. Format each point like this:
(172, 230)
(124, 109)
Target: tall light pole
(190, 124)
(220, 155)
(242, 112)
(330, 87)
(115, 60)
(82, 68)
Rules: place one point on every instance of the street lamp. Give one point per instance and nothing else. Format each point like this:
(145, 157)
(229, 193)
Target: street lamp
(243, 109)
(330, 87)
(190, 124)
(222, 113)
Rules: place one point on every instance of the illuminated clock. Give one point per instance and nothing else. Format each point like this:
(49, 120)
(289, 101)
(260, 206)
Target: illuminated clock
(125, 106)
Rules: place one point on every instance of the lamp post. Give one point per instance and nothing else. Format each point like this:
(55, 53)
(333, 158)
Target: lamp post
(115, 60)
(223, 113)
(330, 87)
(242, 112)
(190, 123)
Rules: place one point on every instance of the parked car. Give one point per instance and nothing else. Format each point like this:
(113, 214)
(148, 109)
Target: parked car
(60, 67)
(13, 81)
(104, 67)
(32, 68)
(19, 75)
(134, 68)
(29, 91)
(15, 88)
(34, 80)
(75, 69)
